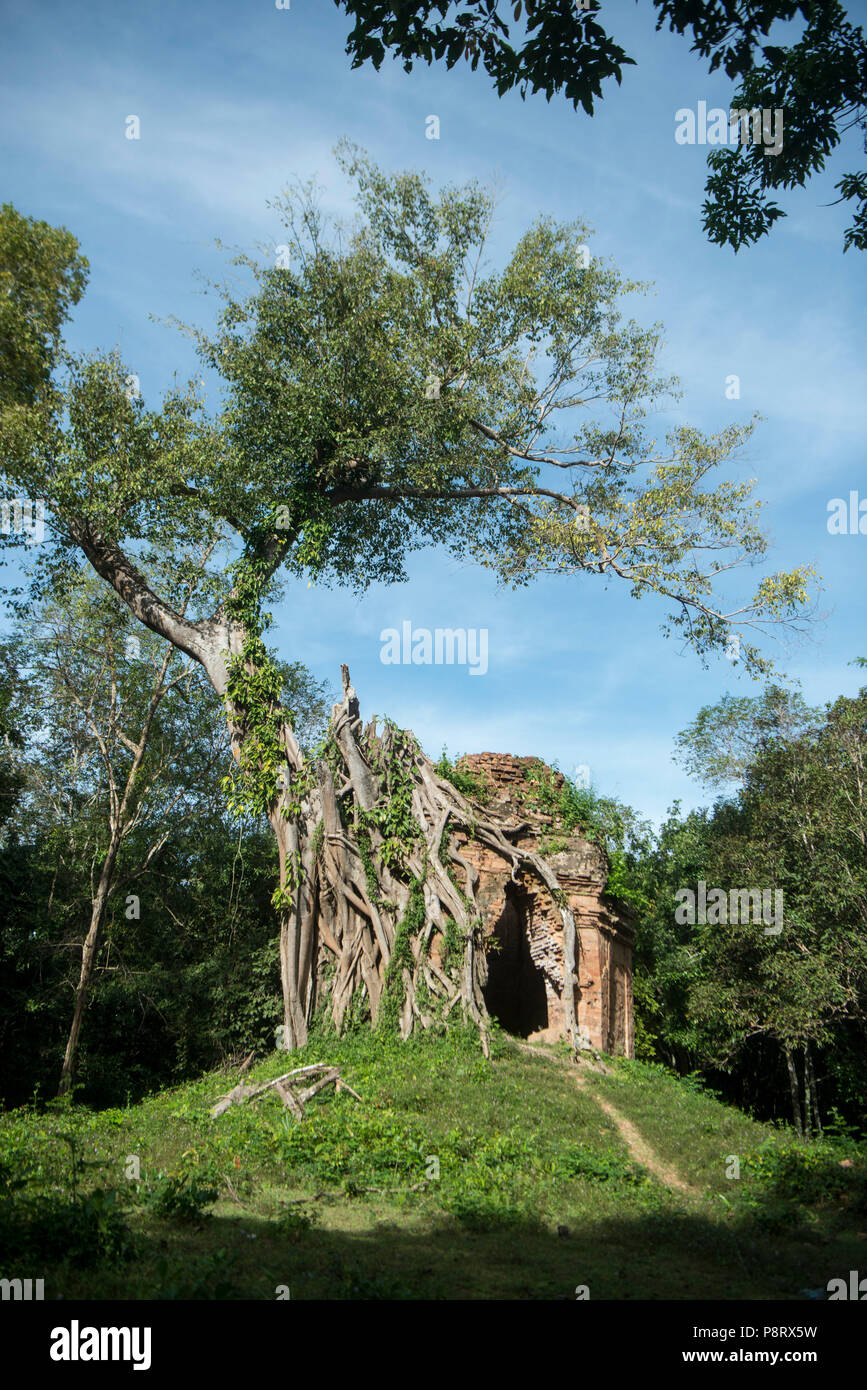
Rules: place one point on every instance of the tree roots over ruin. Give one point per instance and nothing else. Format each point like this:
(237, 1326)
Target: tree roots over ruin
(380, 916)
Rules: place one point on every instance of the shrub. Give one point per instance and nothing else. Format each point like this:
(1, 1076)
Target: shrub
(486, 1211)
(810, 1174)
(294, 1224)
(177, 1197)
(49, 1228)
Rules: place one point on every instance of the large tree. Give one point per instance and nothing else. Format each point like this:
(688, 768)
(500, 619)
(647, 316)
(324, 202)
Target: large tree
(721, 743)
(386, 389)
(819, 81)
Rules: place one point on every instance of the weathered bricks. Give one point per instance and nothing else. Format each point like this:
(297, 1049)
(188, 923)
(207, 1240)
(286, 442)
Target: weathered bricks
(526, 975)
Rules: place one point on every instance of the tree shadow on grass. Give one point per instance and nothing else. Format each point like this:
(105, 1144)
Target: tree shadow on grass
(667, 1255)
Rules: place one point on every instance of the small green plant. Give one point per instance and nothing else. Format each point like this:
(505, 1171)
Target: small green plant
(393, 815)
(772, 1215)
(484, 1211)
(577, 1161)
(472, 784)
(604, 820)
(178, 1197)
(838, 1127)
(294, 1225)
(357, 1285)
(810, 1174)
(9, 1181)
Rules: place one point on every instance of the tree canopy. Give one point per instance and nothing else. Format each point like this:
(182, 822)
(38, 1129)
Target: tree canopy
(386, 390)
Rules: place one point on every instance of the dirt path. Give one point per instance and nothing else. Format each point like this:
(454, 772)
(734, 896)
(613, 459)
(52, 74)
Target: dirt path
(638, 1147)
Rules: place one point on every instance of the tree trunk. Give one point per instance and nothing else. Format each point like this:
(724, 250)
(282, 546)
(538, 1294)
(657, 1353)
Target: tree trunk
(297, 928)
(118, 822)
(810, 1083)
(795, 1093)
(808, 1102)
(88, 960)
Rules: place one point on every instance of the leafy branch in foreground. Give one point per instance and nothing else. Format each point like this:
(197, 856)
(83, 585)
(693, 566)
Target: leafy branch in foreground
(560, 47)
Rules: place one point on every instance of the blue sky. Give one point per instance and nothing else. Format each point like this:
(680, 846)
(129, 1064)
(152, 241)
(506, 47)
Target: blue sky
(235, 101)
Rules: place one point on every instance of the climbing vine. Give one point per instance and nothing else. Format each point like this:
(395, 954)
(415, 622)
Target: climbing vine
(472, 784)
(394, 818)
(254, 693)
(254, 687)
(411, 925)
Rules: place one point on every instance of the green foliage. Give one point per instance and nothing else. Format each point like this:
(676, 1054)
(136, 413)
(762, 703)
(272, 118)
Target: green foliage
(818, 84)
(86, 1231)
(365, 849)
(791, 1182)
(201, 972)
(202, 1277)
(349, 465)
(572, 807)
(721, 743)
(604, 820)
(812, 1174)
(393, 815)
(579, 1161)
(254, 692)
(484, 1211)
(520, 1149)
(294, 1224)
(567, 49)
(408, 928)
(563, 48)
(733, 999)
(49, 1208)
(178, 1196)
(185, 961)
(12, 698)
(42, 277)
(471, 784)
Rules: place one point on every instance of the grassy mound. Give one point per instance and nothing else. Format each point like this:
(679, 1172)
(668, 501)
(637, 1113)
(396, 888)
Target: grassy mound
(453, 1177)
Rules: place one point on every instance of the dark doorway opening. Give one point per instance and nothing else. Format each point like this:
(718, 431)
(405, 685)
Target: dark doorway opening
(515, 992)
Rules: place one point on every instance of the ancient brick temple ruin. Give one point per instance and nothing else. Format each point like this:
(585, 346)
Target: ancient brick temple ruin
(525, 930)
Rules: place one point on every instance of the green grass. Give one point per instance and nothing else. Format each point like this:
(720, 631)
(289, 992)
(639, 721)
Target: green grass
(345, 1204)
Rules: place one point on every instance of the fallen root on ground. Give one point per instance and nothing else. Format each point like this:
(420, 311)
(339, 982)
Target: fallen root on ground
(285, 1086)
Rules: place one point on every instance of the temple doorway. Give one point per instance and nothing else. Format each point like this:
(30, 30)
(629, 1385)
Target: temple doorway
(515, 993)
